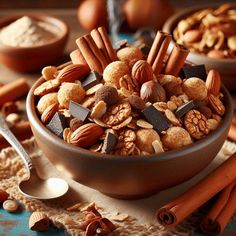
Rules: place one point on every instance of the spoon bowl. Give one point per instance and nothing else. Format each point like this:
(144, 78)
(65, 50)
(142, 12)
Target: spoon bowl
(34, 186)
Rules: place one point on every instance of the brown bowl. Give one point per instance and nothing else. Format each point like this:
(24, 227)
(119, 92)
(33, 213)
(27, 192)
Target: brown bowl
(27, 59)
(226, 67)
(128, 177)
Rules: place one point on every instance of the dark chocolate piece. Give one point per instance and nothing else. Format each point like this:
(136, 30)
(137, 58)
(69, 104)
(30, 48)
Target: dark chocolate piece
(198, 103)
(198, 71)
(91, 80)
(78, 111)
(57, 124)
(156, 118)
(182, 110)
(109, 143)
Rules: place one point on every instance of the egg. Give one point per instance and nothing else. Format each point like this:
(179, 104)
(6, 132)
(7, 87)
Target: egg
(92, 14)
(152, 13)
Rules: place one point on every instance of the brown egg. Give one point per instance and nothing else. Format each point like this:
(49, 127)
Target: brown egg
(92, 14)
(152, 13)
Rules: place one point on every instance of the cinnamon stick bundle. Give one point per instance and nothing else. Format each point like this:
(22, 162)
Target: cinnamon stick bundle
(21, 130)
(177, 210)
(216, 220)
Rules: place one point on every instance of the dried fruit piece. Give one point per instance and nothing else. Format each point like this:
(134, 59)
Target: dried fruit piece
(38, 221)
(196, 124)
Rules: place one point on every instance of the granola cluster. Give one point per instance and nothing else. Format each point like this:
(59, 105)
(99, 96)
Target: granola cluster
(128, 109)
(209, 31)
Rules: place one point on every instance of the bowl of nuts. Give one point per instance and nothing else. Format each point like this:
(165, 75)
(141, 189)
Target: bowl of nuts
(209, 33)
(113, 117)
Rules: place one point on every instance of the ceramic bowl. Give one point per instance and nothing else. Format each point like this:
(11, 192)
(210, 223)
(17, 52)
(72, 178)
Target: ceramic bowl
(128, 177)
(226, 67)
(27, 59)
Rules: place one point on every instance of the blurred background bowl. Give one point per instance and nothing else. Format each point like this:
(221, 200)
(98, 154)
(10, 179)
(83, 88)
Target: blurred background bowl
(28, 59)
(226, 67)
(128, 177)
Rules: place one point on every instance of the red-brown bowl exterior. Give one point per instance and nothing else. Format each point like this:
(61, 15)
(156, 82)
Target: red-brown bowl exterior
(128, 177)
(226, 67)
(27, 59)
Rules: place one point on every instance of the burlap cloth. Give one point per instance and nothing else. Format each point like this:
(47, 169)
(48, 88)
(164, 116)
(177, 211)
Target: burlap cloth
(141, 213)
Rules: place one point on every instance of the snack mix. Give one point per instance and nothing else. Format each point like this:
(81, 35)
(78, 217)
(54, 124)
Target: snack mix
(122, 102)
(211, 32)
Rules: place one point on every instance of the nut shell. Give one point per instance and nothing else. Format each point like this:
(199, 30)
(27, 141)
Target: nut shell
(129, 54)
(142, 72)
(86, 135)
(38, 221)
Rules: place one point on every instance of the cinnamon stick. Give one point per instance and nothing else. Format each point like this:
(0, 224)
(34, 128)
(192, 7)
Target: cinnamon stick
(77, 57)
(88, 55)
(177, 210)
(216, 220)
(21, 130)
(13, 91)
(176, 60)
(158, 51)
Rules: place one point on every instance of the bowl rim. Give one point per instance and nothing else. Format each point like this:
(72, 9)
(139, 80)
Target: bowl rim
(45, 133)
(172, 21)
(61, 25)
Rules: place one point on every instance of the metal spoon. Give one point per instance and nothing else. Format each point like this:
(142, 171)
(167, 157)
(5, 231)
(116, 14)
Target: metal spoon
(34, 186)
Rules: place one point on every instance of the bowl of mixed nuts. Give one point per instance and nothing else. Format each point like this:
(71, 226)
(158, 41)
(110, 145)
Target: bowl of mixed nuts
(209, 33)
(126, 123)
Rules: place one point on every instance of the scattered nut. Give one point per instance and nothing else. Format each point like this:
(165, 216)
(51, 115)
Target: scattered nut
(45, 101)
(49, 112)
(99, 110)
(38, 221)
(49, 72)
(13, 119)
(10, 205)
(157, 145)
(129, 54)
(108, 94)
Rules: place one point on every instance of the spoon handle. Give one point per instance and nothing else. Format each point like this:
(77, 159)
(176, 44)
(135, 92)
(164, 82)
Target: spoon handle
(10, 137)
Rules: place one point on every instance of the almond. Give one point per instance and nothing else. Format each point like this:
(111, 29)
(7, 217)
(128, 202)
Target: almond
(142, 72)
(49, 113)
(213, 82)
(72, 72)
(86, 135)
(192, 36)
(38, 221)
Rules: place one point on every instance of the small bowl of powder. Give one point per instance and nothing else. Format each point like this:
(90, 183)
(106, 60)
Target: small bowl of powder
(27, 43)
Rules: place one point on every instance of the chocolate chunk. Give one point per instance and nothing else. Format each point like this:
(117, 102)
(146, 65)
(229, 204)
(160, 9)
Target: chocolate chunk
(182, 110)
(198, 71)
(121, 44)
(110, 142)
(57, 124)
(78, 111)
(91, 80)
(156, 118)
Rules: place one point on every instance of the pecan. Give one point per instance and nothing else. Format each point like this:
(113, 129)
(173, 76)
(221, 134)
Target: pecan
(196, 124)
(116, 114)
(216, 105)
(129, 84)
